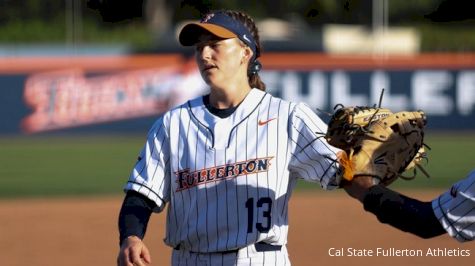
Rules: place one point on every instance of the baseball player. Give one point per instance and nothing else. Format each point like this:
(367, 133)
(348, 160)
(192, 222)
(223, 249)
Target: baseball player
(452, 212)
(225, 164)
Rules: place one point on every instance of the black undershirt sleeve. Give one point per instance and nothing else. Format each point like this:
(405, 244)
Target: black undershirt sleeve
(134, 215)
(406, 214)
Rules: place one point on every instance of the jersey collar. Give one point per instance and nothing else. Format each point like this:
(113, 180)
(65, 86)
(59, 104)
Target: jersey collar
(201, 114)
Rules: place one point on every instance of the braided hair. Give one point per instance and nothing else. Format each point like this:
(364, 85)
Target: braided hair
(254, 67)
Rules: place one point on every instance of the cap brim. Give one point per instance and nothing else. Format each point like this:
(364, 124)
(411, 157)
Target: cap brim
(190, 34)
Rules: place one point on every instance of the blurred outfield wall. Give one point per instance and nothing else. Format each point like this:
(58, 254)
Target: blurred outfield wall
(127, 93)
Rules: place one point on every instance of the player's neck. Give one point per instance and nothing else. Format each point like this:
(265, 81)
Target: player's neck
(228, 97)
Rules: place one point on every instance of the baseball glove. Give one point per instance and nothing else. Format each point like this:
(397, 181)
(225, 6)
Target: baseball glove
(377, 143)
(348, 124)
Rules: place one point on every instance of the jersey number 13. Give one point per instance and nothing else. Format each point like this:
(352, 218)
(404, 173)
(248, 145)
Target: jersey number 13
(266, 204)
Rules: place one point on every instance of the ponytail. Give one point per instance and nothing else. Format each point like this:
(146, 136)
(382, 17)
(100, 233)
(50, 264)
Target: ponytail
(256, 82)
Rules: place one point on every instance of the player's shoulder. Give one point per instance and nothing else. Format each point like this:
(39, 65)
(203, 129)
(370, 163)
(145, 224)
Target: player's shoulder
(301, 111)
(295, 109)
(300, 108)
(178, 110)
(165, 118)
(164, 121)
(277, 100)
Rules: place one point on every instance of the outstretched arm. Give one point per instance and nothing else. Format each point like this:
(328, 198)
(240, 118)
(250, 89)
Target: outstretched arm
(402, 212)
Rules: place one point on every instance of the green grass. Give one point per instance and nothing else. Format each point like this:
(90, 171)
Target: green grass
(50, 166)
(97, 165)
(450, 159)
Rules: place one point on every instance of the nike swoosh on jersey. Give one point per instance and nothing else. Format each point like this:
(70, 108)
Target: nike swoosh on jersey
(261, 123)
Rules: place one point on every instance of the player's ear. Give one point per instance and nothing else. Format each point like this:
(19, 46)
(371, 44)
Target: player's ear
(246, 54)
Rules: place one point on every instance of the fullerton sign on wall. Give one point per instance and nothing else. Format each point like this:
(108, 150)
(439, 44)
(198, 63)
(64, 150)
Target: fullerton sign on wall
(437, 92)
(71, 98)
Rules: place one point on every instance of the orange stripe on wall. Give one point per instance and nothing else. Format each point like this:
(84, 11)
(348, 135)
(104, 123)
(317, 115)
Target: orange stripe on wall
(88, 63)
(306, 61)
(271, 60)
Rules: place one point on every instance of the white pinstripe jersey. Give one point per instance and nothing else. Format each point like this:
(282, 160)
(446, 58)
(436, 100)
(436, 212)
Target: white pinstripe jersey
(227, 181)
(455, 209)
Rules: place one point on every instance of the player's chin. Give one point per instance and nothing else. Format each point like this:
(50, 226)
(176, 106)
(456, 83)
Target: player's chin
(210, 78)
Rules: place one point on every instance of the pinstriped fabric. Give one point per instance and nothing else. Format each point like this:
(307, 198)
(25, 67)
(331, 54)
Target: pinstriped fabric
(228, 181)
(282, 156)
(455, 209)
(258, 146)
(312, 157)
(149, 175)
(272, 150)
(270, 258)
(177, 202)
(188, 152)
(238, 194)
(246, 188)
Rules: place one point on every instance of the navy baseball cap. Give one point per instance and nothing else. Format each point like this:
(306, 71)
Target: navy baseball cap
(220, 25)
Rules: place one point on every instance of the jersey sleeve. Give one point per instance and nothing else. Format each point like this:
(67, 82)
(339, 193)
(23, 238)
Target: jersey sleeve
(455, 209)
(150, 175)
(312, 158)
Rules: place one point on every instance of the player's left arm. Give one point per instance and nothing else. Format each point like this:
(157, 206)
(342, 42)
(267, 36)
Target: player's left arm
(312, 158)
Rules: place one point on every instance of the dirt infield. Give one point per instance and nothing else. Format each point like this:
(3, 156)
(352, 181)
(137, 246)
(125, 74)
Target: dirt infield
(84, 232)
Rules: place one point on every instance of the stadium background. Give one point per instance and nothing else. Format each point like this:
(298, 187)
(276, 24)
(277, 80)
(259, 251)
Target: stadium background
(80, 89)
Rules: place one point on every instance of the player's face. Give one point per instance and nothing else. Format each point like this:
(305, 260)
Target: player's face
(220, 61)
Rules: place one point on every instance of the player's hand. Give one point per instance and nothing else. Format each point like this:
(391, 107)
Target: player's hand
(133, 252)
(358, 186)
